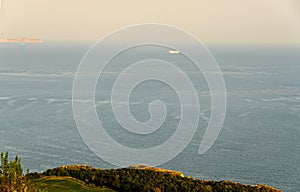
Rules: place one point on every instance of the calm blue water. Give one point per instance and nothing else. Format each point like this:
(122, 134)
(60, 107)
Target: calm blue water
(259, 142)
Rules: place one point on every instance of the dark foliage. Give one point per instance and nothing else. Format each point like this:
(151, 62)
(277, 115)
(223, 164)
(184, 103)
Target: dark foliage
(128, 179)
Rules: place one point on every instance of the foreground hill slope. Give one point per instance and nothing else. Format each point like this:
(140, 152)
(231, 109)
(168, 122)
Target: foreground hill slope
(65, 184)
(143, 178)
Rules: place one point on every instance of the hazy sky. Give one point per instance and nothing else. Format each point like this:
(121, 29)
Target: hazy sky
(212, 21)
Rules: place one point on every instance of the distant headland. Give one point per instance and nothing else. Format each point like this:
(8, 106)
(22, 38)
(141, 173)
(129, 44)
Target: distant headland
(20, 40)
(136, 178)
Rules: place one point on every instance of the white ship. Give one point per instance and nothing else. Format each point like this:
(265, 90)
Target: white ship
(172, 51)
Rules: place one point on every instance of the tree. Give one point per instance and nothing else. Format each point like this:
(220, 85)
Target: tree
(11, 176)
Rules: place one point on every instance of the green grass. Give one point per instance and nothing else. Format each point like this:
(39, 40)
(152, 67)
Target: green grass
(65, 184)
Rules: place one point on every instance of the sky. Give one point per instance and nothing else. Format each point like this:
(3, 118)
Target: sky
(212, 21)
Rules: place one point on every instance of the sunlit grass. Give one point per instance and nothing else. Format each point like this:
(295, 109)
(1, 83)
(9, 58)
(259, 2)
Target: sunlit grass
(65, 184)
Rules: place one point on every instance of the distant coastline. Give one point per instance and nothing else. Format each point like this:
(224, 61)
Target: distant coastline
(20, 40)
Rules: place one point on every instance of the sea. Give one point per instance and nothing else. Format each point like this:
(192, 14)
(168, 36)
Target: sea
(259, 142)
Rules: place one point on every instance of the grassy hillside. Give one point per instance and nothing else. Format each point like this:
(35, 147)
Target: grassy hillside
(66, 184)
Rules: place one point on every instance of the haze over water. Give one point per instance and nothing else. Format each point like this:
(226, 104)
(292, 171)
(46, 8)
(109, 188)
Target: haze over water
(259, 142)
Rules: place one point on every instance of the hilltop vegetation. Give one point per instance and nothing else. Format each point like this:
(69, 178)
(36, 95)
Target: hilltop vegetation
(146, 179)
(137, 178)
